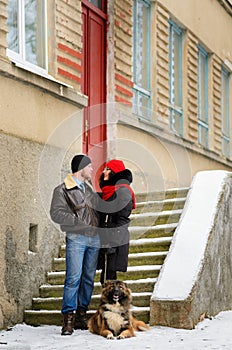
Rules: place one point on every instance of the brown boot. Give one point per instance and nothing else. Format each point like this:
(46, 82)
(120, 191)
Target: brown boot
(81, 320)
(67, 328)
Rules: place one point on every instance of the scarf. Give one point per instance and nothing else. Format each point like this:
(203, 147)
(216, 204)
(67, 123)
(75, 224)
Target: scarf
(109, 191)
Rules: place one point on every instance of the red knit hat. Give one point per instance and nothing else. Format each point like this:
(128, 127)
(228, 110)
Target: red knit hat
(116, 165)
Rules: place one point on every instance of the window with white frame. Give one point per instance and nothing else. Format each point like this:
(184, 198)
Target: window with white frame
(225, 112)
(27, 33)
(203, 124)
(175, 77)
(141, 58)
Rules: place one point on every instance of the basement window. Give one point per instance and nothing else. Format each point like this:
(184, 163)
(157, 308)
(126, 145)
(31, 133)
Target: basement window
(33, 237)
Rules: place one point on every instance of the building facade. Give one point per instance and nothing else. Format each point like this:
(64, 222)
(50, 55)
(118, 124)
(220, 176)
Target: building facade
(146, 81)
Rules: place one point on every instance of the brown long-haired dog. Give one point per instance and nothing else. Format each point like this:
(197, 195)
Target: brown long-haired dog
(113, 317)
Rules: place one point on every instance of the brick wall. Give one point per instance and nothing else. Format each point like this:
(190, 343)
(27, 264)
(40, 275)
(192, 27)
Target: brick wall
(216, 71)
(69, 41)
(123, 51)
(192, 104)
(3, 28)
(160, 103)
(162, 64)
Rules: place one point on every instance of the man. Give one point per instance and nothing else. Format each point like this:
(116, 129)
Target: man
(72, 208)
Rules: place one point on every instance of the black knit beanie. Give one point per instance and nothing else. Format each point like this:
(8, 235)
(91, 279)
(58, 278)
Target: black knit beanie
(79, 162)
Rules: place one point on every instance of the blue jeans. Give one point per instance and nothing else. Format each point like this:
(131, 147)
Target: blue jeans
(81, 262)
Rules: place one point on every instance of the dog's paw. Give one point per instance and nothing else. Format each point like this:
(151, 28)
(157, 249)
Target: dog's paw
(121, 336)
(110, 336)
(126, 334)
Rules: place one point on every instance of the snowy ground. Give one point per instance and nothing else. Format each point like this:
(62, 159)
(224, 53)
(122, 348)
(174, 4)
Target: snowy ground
(209, 334)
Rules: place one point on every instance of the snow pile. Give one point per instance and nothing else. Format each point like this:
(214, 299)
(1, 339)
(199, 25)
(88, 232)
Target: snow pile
(185, 258)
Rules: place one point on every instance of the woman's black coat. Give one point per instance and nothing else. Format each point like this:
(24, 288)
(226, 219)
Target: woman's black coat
(114, 223)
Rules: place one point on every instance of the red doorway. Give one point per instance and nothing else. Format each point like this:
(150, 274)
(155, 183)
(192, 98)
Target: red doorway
(94, 82)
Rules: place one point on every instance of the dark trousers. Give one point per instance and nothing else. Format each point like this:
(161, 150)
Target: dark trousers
(107, 259)
(110, 275)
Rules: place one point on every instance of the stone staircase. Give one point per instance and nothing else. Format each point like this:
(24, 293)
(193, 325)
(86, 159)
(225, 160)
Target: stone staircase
(153, 223)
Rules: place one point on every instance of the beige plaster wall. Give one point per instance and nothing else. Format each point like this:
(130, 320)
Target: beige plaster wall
(32, 113)
(157, 163)
(192, 14)
(29, 173)
(39, 133)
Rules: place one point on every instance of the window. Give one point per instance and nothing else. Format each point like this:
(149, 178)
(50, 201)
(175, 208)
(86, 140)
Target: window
(100, 4)
(175, 80)
(225, 113)
(203, 127)
(97, 3)
(141, 58)
(27, 33)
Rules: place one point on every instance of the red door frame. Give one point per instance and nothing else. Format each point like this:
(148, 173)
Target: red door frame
(101, 12)
(94, 84)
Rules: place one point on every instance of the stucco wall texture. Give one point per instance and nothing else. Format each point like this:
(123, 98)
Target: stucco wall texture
(212, 290)
(22, 220)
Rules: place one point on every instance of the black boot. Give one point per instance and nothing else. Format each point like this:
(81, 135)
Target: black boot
(67, 328)
(81, 320)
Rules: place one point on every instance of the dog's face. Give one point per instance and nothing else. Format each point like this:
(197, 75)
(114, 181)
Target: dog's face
(115, 291)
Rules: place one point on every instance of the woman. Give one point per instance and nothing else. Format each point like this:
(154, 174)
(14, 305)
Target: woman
(118, 202)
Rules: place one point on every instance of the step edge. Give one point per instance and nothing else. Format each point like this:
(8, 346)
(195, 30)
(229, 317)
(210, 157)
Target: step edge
(129, 269)
(148, 254)
(94, 296)
(30, 311)
(154, 228)
(141, 241)
(97, 284)
(59, 260)
(162, 201)
(156, 214)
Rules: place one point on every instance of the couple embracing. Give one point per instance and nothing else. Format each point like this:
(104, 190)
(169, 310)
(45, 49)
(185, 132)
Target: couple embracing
(97, 236)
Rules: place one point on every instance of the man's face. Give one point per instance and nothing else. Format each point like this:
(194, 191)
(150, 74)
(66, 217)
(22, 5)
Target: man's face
(86, 172)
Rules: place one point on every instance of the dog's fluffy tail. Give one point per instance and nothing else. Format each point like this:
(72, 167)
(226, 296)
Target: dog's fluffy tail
(94, 323)
(139, 325)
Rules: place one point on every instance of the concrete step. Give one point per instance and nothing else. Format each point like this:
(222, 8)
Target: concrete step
(144, 245)
(161, 195)
(147, 258)
(133, 272)
(139, 299)
(157, 231)
(134, 259)
(156, 206)
(150, 245)
(158, 218)
(54, 317)
(140, 285)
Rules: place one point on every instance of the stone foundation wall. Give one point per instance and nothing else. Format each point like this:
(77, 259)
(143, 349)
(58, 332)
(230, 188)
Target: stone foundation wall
(28, 239)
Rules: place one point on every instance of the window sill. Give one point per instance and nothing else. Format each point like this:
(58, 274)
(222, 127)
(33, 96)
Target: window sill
(164, 133)
(39, 78)
(29, 67)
